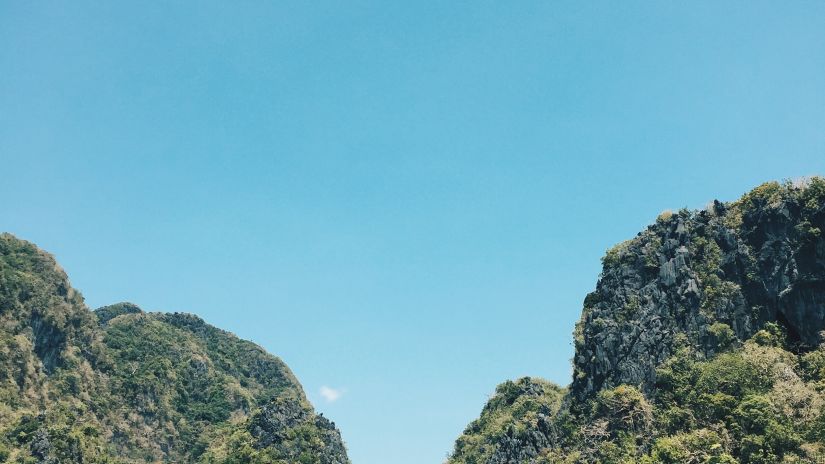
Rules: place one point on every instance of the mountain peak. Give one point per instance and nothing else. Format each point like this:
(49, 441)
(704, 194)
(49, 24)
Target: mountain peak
(107, 313)
(122, 385)
(741, 265)
(702, 343)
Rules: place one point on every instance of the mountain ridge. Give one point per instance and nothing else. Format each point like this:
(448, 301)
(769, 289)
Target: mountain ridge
(702, 343)
(119, 385)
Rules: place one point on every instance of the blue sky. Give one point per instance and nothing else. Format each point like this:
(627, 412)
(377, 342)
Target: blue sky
(406, 201)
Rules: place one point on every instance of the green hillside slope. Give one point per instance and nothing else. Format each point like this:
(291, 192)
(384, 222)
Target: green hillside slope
(123, 386)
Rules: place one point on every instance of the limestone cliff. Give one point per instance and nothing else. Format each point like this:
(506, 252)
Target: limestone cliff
(702, 343)
(758, 260)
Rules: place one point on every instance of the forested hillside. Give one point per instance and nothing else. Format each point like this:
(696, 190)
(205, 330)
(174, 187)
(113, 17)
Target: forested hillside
(119, 385)
(703, 342)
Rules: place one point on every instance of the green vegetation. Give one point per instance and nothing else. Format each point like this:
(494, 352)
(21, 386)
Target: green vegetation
(758, 404)
(512, 414)
(810, 192)
(122, 386)
(302, 437)
(698, 346)
(755, 399)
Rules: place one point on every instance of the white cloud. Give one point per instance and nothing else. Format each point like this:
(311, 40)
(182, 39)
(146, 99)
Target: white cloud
(330, 394)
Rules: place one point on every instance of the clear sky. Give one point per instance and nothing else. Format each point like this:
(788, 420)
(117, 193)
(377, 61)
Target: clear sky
(406, 201)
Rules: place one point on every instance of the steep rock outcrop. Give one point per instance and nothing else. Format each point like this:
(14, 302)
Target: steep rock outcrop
(702, 343)
(274, 426)
(758, 260)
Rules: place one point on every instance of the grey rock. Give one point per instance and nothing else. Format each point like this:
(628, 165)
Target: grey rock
(768, 269)
(276, 421)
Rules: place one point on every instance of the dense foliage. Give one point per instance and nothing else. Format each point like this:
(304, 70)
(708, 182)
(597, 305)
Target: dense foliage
(702, 343)
(119, 385)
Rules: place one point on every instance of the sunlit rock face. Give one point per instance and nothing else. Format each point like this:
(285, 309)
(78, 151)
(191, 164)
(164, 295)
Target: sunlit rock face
(759, 260)
(702, 342)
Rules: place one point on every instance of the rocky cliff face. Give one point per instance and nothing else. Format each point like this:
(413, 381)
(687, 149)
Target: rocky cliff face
(119, 385)
(702, 343)
(692, 275)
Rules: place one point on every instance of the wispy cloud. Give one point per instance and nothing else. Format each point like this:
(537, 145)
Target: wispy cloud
(330, 394)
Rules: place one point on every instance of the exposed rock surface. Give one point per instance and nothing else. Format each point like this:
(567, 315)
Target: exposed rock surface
(273, 424)
(757, 261)
(702, 343)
